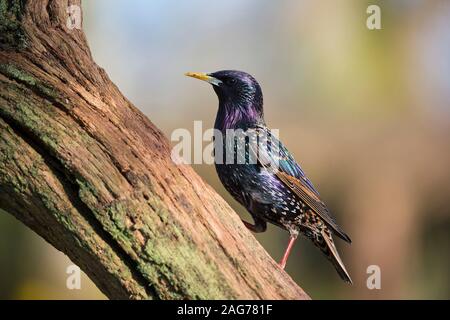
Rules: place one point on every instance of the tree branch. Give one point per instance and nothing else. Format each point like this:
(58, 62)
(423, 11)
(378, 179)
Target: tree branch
(86, 170)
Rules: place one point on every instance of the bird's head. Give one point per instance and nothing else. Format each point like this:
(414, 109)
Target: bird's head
(240, 96)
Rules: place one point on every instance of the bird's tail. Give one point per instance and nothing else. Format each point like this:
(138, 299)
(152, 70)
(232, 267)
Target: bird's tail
(329, 249)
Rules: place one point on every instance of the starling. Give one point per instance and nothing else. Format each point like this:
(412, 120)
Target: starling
(283, 196)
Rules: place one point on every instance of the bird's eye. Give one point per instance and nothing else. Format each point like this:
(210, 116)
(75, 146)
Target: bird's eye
(231, 81)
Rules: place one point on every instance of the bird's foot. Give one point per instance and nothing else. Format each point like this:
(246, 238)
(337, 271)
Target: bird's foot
(259, 226)
(283, 262)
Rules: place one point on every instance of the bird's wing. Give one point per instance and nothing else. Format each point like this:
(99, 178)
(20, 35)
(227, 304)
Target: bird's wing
(289, 172)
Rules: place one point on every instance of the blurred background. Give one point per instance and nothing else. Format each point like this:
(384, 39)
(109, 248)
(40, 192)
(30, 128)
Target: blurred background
(366, 113)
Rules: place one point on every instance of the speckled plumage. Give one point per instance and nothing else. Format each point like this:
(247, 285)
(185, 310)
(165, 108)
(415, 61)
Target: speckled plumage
(284, 196)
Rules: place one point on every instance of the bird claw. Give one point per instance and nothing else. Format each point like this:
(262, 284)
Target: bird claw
(258, 227)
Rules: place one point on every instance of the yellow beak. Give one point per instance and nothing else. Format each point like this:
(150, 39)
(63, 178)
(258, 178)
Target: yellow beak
(204, 77)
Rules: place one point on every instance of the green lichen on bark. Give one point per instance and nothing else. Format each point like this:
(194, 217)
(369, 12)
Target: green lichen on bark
(13, 72)
(195, 278)
(30, 118)
(170, 251)
(39, 186)
(169, 260)
(12, 34)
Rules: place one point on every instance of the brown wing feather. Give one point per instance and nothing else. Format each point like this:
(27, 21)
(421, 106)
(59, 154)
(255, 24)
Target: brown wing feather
(312, 200)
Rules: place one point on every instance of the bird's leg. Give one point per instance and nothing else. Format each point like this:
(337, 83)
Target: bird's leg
(259, 226)
(288, 251)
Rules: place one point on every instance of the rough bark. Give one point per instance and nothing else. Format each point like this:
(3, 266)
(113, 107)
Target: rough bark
(86, 170)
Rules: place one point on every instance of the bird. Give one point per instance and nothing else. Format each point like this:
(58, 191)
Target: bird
(267, 181)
